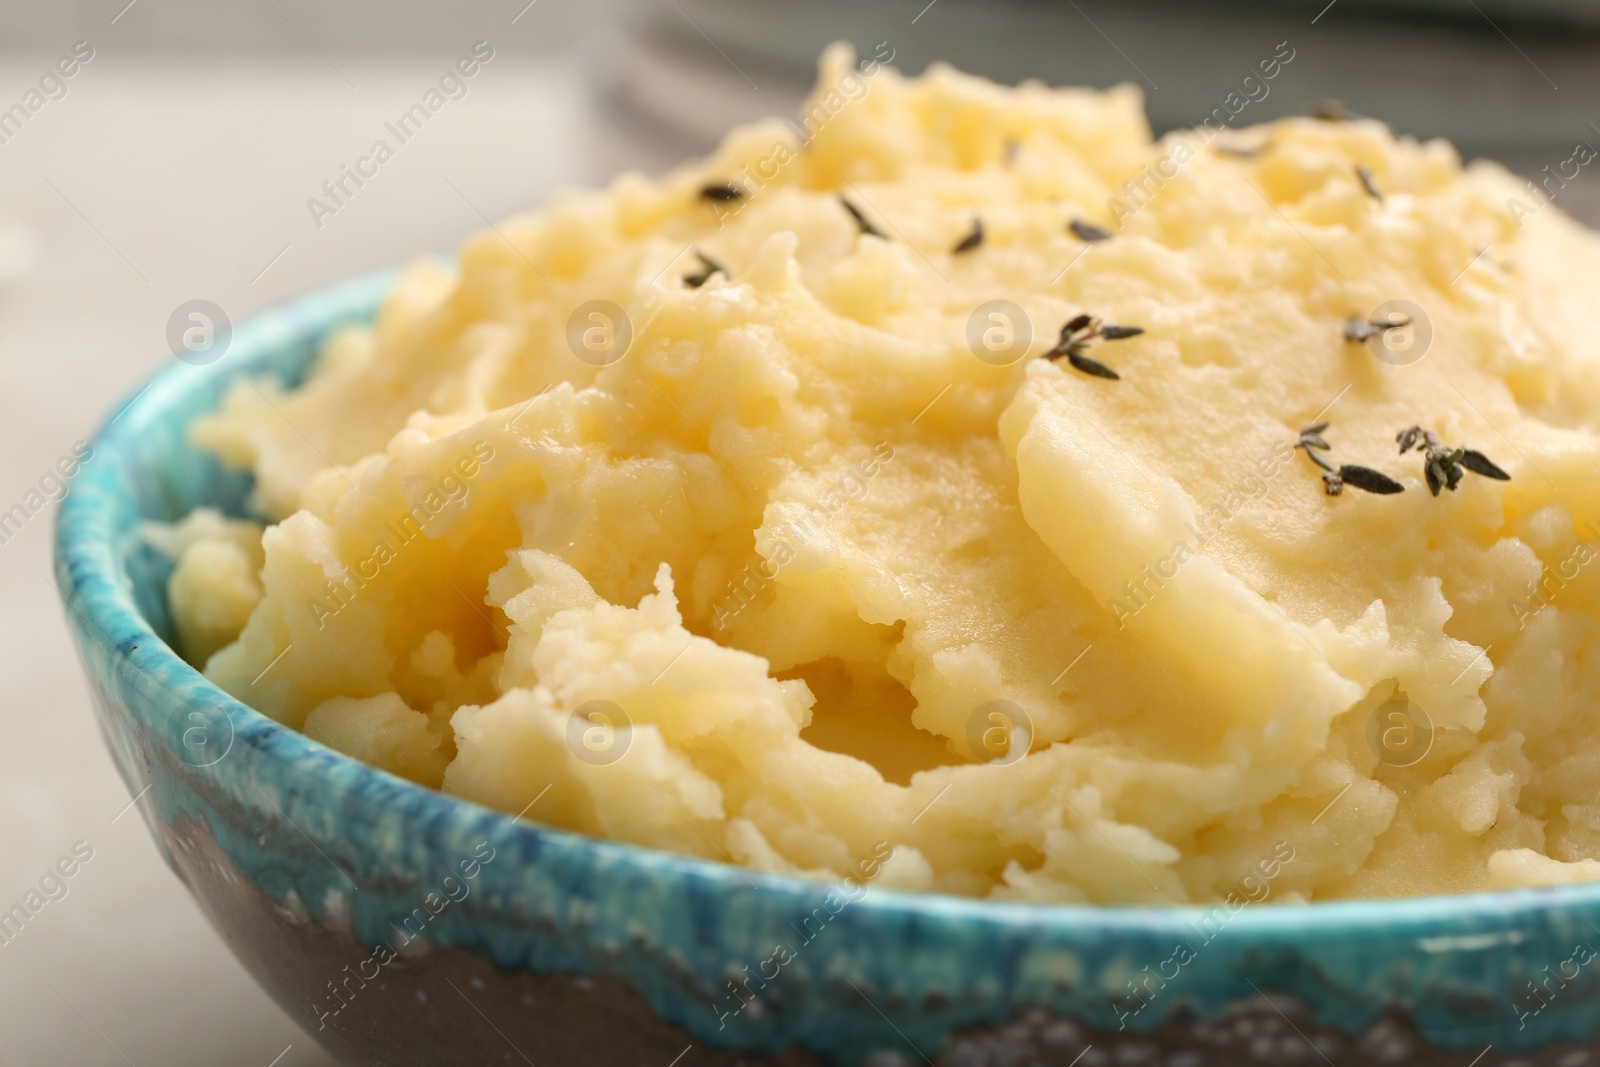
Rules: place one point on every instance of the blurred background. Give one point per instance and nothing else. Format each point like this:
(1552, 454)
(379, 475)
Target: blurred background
(175, 164)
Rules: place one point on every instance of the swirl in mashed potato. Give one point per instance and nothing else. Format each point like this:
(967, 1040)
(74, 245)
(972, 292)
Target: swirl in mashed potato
(797, 566)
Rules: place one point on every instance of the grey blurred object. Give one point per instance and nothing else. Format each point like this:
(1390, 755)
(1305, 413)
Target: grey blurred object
(1513, 81)
(1509, 79)
(210, 29)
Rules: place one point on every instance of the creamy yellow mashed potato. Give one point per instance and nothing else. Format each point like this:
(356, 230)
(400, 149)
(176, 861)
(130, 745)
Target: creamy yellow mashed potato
(799, 573)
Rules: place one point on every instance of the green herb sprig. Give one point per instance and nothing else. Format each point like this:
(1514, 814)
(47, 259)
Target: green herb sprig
(1334, 479)
(1074, 343)
(711, 266)
(1444, 468)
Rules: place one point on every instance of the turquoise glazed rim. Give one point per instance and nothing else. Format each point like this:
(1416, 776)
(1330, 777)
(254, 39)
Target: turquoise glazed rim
(354, 847)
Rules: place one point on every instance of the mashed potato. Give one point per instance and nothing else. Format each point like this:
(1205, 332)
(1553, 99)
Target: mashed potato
(771, 524)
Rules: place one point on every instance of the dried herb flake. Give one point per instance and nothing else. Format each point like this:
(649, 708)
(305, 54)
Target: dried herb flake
(1088, 231)
(1478, 463)
(971, 240)
(1369, 480)
(1074, 324)
(1091, 366)
(695, 281)
(1369, 183)
(1242, 151)
(861, 220)
(1358, 329)
(1328, 109)
(1120, 333)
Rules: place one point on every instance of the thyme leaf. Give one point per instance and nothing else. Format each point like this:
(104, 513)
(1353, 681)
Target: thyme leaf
(1088, 231)
(1311, 439)
(696, 280)
(1090, 366)
(1075, 337)
(1369, 183)
(1241, 151)
(1478, 463)
(1358, 329)
(861, 220)
(1328, 109)
(1372, 481)
(1444, 468)
(971, 240)
(1334, 479)
(1119, 333)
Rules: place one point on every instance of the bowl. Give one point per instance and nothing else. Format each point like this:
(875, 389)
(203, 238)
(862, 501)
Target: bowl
(400, 925)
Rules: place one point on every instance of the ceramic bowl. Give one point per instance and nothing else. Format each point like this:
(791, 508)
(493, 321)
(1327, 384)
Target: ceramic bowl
(402, 926)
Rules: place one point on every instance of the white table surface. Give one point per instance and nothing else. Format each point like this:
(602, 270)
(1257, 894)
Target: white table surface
(145, 187)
